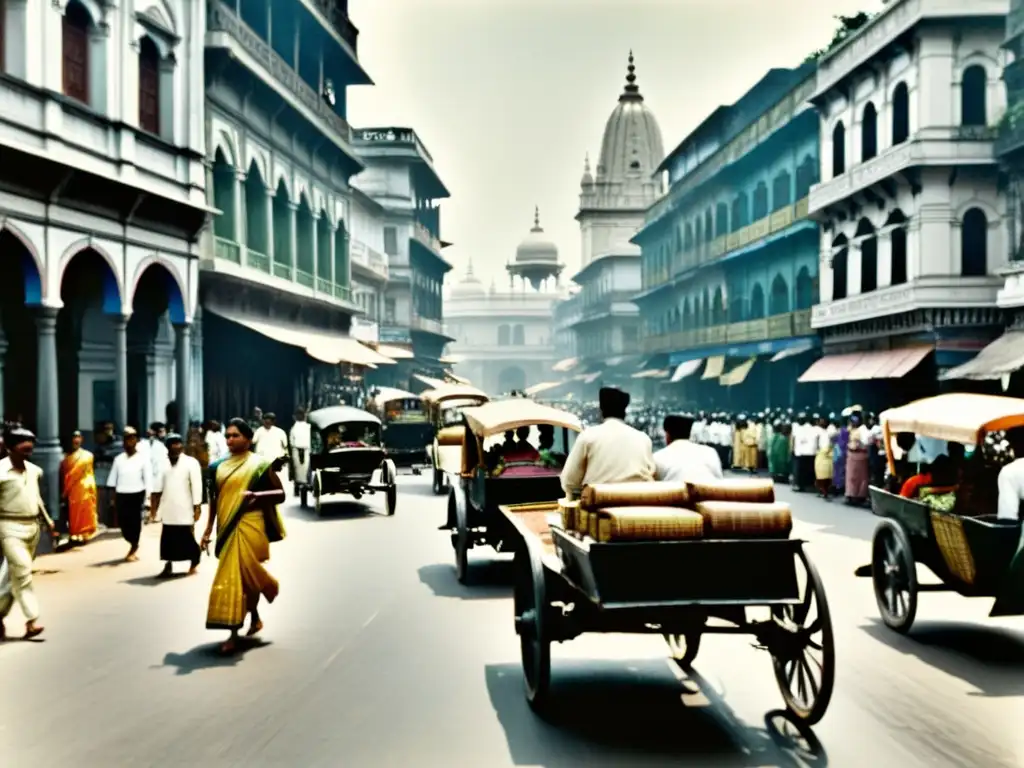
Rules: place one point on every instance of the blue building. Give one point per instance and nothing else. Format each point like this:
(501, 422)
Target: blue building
(729, 255)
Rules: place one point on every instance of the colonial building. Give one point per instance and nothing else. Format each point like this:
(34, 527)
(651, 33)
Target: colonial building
(369, 266)
(277, 279)
(400, 177)
(101, 202)
(730, 258)
(612, 205)
(912, 213)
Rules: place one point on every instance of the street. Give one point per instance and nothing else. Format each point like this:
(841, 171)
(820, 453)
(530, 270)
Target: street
(374, 655)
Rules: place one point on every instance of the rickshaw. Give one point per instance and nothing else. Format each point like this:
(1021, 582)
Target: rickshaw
(969, 550)
(345, 451)
(444, 409)
(473, 515)
(406, 429)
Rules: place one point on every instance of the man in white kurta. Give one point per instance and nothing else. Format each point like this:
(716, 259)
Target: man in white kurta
(22, 517)
(300, 440)
(611, 452)
(682, 460)
(270, 441)
(178, 496)
(156, 452)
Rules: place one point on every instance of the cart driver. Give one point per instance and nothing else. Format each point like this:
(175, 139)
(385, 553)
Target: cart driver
(611, 452)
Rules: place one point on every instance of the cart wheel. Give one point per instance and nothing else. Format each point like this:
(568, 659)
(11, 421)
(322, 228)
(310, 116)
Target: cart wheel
(804, 651)
(894, 575)
(460, 540)
(438, 482)
(531, 606)
(303, 497)
(317, 494)
(684, 648)
(391, 499)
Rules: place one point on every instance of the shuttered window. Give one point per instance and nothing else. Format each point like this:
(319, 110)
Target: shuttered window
(76, 53)
(149, 86)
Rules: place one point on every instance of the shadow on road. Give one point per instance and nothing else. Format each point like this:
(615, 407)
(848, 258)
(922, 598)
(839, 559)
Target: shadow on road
(989, 658)
(488, 580)
(153, 580)
(208, 656)
(632, 713)
(340, 509)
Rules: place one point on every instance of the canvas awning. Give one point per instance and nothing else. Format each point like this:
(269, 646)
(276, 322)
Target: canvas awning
(456, 378)
(797, 349)
(395, 353)
(864, 366)
(1003, 356)
(432, 383)
(566, 365)
(714, 367)
(326, 347)
(544, 386)
(683, 370)
(653, 373)
(452, 359)
(738, 374)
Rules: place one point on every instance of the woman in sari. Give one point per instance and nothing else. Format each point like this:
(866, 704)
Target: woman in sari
(857, 472)
(841, 443)
(78, 490)
(244, 505)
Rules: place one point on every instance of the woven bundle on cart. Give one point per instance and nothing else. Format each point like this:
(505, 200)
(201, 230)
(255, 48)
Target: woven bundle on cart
(751, 490)
(645, 524)
(655, 494)
(743, 519)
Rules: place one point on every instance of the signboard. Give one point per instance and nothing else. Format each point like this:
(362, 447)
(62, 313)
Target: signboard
(364, 330)
(390, 334)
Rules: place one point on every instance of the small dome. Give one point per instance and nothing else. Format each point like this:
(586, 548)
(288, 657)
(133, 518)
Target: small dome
(537, 247)
(468, 287)
(632, 145)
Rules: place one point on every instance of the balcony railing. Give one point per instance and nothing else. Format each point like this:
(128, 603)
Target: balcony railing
(427, 324)
(226, 249)
(366, 257)
(223, 19)
(335, 13)
(426, 238)
(284, 271)
(765, 329)
(257, 260)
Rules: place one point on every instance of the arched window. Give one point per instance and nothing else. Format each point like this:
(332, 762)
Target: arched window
(740, 214)
(709, 225)
(760, 201)
(972, 96)
(149, 86)
(869, 132)
(804, 289)
(781, 191)
(688, 237)
(840, 258)
(779, 302)
(806, 175)
(721, 220)
(698, 232)
(75, 52)
(898, 247)
(757, 302)
(839, 149)
(974, 244)
(503, 335)
(900, 114)
(687, 314)
(518, 335)
(868, 256)
(718, 314)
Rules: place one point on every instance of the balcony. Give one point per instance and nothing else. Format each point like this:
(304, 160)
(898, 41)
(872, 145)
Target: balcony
(335, 13)
(426, 324)
(424, 238)
(618, 303)
(227, 30)
(366, 260)
(782, 326)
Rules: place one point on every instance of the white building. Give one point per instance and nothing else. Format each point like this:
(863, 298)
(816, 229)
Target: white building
(101, 202)
(369, 266)
(913, 219)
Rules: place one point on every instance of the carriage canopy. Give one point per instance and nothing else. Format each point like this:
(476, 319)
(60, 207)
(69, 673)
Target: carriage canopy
(958, 417)
(439, 395)
(502, 415)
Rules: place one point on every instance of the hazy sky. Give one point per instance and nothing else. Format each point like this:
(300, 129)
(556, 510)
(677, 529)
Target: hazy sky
(508, 95)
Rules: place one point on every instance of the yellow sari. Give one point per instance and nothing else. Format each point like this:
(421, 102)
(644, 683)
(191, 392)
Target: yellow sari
(79, 489)
(242, 541)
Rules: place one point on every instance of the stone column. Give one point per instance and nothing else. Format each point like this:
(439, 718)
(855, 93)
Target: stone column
(197, 367)
(48, 453)
(239, 232)
(332, 246)
(120, 371)
(293, 236)
(315, 244)
(270, 228)
(182, 366)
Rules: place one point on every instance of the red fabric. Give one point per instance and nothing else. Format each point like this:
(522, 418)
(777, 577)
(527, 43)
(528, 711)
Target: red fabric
(521, 453)
(914, 484)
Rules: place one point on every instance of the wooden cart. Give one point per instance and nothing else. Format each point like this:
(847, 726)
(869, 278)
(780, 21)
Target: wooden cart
(444, 407)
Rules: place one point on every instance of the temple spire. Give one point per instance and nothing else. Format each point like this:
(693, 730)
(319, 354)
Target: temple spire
(632, 90)
(469, 268)
(536, 219)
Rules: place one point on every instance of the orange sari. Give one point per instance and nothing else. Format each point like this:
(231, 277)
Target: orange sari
(79, 489)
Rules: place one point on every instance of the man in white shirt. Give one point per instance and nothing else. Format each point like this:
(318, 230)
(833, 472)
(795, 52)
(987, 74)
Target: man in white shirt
(178, 495)
(216, 444)
(300, 439)
(805, 446)
(682, 460)
(270, 441)
(1010, 482)
(22, 516)
(611, 452)
(157, 453)
(131, 477)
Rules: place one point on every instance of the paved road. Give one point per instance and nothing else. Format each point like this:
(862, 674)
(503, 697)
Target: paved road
(375, 656)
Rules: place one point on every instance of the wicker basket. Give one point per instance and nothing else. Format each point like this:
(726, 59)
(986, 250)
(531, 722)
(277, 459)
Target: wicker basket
(952, 543)
(745, 520)
(645, 524)
(753, 490)
(569, 510)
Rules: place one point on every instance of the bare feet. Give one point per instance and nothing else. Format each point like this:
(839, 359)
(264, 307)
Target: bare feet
(32, 630)
(255, 626)
(193, 570)
(132, 557)
(230, 645)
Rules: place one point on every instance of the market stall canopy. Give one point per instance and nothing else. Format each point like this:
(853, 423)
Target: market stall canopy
(432, 383)
(456, 378)
(328, 348)
(566, 365)
(738, 374)
(683, 370)
(653, 373)
(864, 366)
(390, 394)
(395, 353)
(797, 349)
(452, 392)
(959, 417)
(1003, 356)
(452, 359)
(499, 416)
(536, 389)
(714, 367)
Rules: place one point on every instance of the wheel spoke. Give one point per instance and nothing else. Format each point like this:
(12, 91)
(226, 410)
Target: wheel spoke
(811, 681)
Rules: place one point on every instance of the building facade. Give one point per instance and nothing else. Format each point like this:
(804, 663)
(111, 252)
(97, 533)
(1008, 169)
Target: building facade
(730, 257)
(101, 203)
(400, 177)
(369, 266)
(613, 201)
(912, 212)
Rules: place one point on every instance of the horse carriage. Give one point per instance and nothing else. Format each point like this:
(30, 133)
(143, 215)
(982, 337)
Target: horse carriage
(406, 429)
(969, 550)
(444, 406)
(346, 452)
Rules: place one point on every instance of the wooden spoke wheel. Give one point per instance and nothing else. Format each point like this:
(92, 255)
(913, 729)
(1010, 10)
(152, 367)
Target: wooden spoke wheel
(684, 648)
(894, 575)
(803, 649)
(532, 625)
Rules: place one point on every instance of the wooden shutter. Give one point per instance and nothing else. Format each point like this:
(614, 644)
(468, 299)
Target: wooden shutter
(76, 55)
(149, 93)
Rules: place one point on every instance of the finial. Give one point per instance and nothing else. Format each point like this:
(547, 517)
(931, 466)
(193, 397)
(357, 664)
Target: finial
(536, 219)
(632, 90)
(469, 268)
(586, 163)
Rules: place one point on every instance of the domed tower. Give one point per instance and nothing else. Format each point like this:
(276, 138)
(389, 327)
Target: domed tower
(624, 184)
(536, 258)
(468, 287)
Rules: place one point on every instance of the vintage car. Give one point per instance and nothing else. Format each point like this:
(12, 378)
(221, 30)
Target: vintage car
(346, 451)
(444, 407)
(967, 547)
(486, 480)
(407, 430)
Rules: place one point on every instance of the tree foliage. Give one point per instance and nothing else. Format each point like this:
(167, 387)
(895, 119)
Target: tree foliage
(847, 26)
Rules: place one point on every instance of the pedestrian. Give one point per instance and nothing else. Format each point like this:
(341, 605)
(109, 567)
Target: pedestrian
(271, 442)
(178, 495)
(22, 517)
(78, 490)
(682, 460)
(131, 478)
(805, 446)
(857, 472)
(823, 457)
(300, 438)
(244, 505)
(156, 451)
(216, 445)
